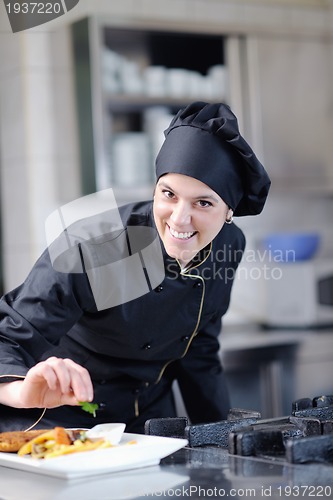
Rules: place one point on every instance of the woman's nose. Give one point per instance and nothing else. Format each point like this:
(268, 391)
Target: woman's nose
(181, 214)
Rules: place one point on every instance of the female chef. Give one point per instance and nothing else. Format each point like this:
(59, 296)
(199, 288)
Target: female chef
(65, 339)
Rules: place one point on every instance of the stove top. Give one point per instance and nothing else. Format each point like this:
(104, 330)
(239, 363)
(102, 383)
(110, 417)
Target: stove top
(273, 455)
(305, 436)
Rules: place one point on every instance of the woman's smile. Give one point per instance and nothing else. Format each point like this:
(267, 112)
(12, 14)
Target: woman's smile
(181, 235)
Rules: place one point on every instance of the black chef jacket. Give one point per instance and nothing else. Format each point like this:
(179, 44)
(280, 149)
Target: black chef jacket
(133, 351)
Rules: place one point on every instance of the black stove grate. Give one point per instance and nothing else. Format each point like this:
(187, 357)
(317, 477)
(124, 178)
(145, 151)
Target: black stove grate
(306, 436)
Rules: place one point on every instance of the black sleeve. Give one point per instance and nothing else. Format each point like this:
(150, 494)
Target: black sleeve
(34, 316)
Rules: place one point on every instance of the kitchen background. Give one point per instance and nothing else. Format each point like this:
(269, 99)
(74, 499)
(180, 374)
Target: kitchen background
(89, 93)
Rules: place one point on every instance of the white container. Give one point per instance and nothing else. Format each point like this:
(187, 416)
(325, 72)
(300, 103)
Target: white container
(299, 294)
(154, 84)
(130, 77)
(111, 62)
(177, 82)
(218, 76)
(196, 84)
(156, 121)
(130, 157)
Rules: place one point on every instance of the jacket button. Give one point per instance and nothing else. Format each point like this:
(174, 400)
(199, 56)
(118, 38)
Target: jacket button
(197, 284)
(159, 289)
(185, 338)
(102, 382)
(146, 346)
(101, 406)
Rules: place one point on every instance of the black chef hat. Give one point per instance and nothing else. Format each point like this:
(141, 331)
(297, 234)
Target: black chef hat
(204, 142)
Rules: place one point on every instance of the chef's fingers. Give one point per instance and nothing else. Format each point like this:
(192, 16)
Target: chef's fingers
(72, 378)
(80, 381)
(65, 376)
(42, 371)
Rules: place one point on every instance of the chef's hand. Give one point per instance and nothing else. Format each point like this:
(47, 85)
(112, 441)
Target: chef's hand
(51, 383)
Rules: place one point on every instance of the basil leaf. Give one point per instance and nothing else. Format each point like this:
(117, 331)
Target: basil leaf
(89, 407)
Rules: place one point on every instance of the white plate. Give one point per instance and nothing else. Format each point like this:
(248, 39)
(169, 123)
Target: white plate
(125, 485)
(147, 451)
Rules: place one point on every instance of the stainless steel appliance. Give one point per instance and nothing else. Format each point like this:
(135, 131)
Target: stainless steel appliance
(300, 294)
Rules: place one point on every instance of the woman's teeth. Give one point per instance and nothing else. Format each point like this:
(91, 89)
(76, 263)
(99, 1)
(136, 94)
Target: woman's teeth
(181, 236)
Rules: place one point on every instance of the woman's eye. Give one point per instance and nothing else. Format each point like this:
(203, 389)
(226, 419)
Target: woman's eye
(168, 194)
(204, 203)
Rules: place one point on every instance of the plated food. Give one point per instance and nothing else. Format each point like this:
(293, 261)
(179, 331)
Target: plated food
(42, 444)
(60, 441)
(12, 441)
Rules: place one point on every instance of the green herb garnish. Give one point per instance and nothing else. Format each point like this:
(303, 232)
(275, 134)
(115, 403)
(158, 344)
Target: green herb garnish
(89, 407)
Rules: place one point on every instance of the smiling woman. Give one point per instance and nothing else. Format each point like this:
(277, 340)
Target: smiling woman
(59, 347)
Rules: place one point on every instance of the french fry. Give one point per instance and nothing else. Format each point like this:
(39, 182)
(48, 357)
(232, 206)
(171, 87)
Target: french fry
(59, 442)
(26, 449)
(77, 446)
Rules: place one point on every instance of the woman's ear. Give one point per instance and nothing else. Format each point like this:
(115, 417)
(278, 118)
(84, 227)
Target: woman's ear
(229, 216)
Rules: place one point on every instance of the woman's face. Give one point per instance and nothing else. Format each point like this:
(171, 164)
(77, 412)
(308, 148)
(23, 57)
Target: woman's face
(188, 215)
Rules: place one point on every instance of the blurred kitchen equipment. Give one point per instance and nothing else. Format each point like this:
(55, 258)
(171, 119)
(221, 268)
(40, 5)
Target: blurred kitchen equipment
(111, 63)
(177, 80)
(218, 75)
(130, 159)
(292, 247)
(299, 287)
(130, 77)
(156, 119)
(154, 78)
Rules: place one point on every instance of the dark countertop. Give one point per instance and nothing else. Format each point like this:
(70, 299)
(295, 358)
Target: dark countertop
(250, 336)
(250, 344)
(279, 365)
(189, 473)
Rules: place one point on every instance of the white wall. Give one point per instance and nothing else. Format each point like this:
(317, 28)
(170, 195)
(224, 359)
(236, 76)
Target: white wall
(39, 159)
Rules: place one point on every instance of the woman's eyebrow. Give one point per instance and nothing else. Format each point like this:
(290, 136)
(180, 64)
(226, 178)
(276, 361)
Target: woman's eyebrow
(161, 183)
(203, 197)
(207, 197)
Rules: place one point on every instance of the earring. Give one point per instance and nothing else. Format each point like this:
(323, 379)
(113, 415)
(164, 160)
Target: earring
(229, 219)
